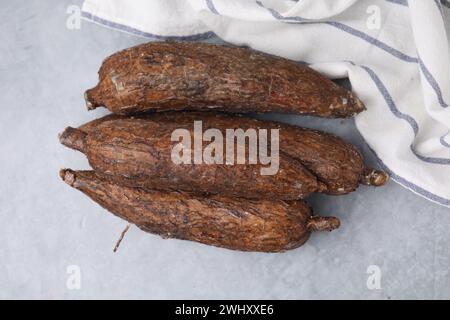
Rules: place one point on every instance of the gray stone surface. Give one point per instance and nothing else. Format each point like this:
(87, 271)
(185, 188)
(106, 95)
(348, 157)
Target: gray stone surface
(46, 226)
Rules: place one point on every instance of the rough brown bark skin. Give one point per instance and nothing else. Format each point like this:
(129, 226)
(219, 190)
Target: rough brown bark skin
(162, 76)
(265, 226)
(337, 165)
(137, 152)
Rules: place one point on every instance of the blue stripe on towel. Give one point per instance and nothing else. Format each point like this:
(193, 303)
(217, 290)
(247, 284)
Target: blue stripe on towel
(433, 83)
(445, 3)
(211, 7)
(400, 2)
(121, 27)
(346, 29)
(443, 142)
(373, 41)
(413, 123)
(390, 102)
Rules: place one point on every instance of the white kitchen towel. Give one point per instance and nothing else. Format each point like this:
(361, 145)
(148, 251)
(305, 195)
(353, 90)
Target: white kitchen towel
(395, 53)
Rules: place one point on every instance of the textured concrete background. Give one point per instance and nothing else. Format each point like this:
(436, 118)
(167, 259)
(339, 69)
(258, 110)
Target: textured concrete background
(47, 226)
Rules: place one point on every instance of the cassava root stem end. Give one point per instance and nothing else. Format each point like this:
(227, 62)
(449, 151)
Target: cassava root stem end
(317, 223)
(68, 176)
(90, 102)
(373, 177)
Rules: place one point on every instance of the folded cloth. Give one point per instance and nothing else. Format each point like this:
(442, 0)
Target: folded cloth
(394, 52)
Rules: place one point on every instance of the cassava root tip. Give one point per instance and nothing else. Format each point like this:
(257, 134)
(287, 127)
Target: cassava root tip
(90, 104)
(68, 176)
(316, 223)
(73, 138)
(373, 177)
(360, 107)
